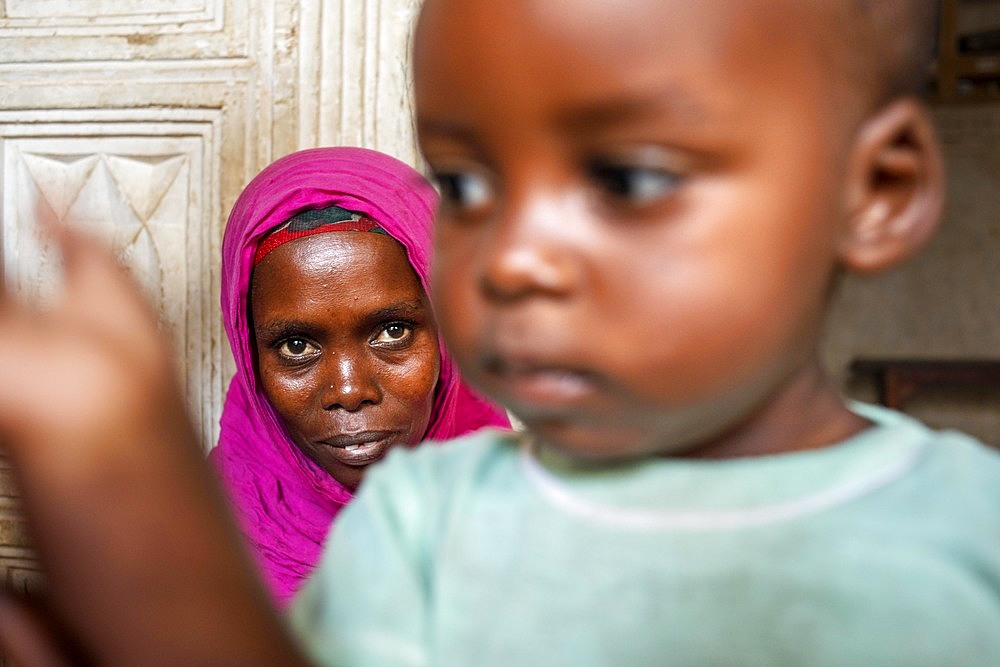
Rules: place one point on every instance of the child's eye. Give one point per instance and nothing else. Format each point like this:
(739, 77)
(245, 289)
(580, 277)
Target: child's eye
(393, 334)
(632, 184)
(464, 190)
(297, 349)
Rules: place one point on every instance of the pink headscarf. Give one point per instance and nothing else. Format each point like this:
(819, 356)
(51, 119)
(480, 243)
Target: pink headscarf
(284, 502)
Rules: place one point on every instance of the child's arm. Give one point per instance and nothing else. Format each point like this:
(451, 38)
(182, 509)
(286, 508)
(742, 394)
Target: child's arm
(144, 566)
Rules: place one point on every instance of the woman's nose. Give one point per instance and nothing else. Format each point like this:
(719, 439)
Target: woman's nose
(351, 384)
(531, 252)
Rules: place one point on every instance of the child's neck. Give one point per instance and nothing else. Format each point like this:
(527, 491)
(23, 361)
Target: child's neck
(807, 413)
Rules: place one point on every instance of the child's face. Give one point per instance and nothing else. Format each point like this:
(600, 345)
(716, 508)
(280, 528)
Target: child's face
(640, 209)
(347, 347)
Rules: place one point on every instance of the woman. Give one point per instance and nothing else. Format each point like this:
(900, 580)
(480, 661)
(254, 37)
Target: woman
(325, 271)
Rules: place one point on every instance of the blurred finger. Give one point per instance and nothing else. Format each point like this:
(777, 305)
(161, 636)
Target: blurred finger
(26, 638)
(99, 293)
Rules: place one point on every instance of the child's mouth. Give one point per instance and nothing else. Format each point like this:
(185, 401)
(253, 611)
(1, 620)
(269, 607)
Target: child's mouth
(540, 384)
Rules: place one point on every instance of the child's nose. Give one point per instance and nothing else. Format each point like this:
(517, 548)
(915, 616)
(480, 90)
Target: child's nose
(531, 252)
(352, 383)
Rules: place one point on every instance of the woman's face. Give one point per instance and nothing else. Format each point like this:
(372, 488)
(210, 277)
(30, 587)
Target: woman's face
(347, 348)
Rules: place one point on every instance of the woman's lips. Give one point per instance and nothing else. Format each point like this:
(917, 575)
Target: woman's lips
(360, 449)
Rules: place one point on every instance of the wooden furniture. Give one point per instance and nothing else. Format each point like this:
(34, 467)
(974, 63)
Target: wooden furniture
(968, 62)
(898, 380)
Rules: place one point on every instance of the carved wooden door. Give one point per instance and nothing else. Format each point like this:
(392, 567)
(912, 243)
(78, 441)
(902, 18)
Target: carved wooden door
(141, 120)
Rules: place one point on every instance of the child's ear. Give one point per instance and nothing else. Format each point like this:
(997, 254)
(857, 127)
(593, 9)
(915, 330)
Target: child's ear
(895, 192)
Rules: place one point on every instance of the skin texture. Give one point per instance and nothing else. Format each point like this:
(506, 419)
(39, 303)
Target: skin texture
(143, 564)
(892, 61)
(347, 350)
(636, 247)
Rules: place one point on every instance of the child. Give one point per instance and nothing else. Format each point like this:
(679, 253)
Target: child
(644, 213)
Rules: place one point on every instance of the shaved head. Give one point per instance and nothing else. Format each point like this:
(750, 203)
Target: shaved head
(882, 49)
(891, 44)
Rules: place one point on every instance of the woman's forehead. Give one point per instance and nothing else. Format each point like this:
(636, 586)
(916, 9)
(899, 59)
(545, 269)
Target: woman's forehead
(331, 261)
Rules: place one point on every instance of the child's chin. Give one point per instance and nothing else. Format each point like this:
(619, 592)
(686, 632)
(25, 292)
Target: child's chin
(591, 443)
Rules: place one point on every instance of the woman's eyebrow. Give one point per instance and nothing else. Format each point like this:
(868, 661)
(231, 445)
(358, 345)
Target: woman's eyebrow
(409, 308)
(280, 327)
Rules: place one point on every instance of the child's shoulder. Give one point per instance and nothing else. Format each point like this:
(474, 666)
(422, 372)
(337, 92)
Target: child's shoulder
(441, 469)
(945, 445)
(964, 461)
(951, 464)
(483, 445)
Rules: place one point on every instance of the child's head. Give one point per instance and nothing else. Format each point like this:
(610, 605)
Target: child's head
(644, 207)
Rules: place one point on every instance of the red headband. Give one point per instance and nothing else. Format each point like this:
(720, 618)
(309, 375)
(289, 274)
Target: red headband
(285, 234)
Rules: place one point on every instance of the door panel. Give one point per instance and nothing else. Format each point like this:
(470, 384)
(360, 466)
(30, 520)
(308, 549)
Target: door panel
(141, 120)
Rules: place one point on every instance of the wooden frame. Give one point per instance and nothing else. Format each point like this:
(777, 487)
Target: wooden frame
(898, 380)
(962, 77)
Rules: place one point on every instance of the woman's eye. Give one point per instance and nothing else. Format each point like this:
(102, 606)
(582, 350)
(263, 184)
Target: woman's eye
(634, 185)
(297, 348)
(393, 334)
(464, 190)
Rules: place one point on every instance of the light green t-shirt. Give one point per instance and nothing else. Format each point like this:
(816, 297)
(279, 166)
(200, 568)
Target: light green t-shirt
(881, 550)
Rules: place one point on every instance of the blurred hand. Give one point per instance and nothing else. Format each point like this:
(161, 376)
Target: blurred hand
(94, 365)
(142, 561)
(29, 636)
